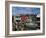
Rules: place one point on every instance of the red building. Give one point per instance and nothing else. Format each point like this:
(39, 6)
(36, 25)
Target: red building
(24, 18)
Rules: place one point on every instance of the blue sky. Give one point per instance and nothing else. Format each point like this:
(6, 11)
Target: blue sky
(25, 10)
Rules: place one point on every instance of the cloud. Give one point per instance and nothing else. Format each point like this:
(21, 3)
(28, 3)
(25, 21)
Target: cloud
(25, 10)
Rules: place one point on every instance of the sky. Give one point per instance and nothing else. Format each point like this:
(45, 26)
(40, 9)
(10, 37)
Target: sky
(25, 10)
